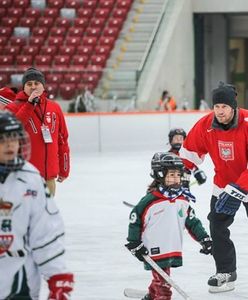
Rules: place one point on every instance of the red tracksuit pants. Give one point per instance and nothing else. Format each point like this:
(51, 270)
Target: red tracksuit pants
(159, 289)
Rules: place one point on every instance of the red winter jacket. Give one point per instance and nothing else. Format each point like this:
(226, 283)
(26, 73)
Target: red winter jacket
(51, 159)
(228, 149)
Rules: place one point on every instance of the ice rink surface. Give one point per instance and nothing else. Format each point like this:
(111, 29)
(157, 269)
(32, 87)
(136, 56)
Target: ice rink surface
(96, 228)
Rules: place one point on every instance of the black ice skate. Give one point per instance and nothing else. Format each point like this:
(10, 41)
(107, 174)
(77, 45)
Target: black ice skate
(222, 282)
(146, 297)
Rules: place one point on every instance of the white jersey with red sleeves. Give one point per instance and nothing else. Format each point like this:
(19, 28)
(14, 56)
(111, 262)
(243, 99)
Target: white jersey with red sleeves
(228, 149)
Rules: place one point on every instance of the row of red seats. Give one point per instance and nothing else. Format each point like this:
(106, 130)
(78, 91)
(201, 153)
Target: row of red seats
(67, 3)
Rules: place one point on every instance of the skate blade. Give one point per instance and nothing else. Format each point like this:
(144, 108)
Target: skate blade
(226, 287)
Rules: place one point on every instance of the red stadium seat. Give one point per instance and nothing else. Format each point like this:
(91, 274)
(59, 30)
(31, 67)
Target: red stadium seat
(115, 22)
(112, 31)
(9, 22)
(37, 41)
(31, 12)
(79, 62)
(6, 60)
(61, 61)
(6, 31)
(107, 41)
(126, 4)
(81, 22)
(72, 41)
(58, 31)
(17, 41)
(52, 90)
(92, 79)
(27, 22)
(89, 41)
(23, 62)
(48, 50)
(84, 13)
(102, 13)
(93, 32)
(51, 12)
(40, 31)
(97, 22)
(72, 78)
(98, 60)
(21, 3)
(76, 31)
(4, 79)
(55, 41)
(3, 12)
(106, 3)
(3, 40)
(5, 3)
(67, 91)
(15, 12)
(103, 50)
(54, 78)
(73, 4)
(84, 50)
(90, 4)
(12, 50)
(55, 3)
(43, 60)
(63, 22)
(119, 13)
(45, 22)
(67, 50)
(30, 50)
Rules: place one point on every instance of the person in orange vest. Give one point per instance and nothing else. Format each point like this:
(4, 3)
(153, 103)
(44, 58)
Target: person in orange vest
(167, 102)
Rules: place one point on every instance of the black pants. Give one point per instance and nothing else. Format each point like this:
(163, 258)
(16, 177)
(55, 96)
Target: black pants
(223, 248)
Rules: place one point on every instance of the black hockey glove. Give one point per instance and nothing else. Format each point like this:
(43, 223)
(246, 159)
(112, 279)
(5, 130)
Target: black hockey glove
(200, 176)
(206, 244)
(229, 201)
(137, 249)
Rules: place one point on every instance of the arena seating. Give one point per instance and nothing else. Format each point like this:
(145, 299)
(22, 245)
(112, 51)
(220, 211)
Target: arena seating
(72, 51)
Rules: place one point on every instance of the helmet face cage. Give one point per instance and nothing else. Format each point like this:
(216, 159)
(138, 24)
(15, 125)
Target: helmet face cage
(12, 129)
(176, 131)
(162, 162)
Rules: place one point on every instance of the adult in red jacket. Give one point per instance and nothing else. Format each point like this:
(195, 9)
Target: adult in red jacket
(223, 134)
(45, 123)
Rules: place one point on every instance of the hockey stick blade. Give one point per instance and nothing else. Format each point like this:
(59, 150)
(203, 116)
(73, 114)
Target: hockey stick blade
(128, 204)
(134, 293)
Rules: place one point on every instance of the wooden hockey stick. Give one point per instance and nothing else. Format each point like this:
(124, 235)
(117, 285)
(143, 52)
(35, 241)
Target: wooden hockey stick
(166, 277)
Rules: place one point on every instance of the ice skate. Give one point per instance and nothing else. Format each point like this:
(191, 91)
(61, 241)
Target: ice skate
(222, 282)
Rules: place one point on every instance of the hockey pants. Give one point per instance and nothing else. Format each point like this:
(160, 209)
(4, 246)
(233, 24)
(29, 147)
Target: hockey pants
(159, 289)
(223, 248)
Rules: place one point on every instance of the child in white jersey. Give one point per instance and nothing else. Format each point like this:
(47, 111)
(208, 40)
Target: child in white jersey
(31, 228)
(158, 220)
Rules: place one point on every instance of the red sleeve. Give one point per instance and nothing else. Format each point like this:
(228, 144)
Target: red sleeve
(23, 111)
(64, 151)
(194, 149)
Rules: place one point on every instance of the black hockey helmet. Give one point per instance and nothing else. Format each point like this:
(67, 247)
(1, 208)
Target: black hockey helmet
(164, 161)
(176, 131)
(11, 127)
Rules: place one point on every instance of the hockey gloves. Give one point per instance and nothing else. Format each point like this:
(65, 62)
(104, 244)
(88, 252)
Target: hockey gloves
(200, 176)
(206, 244)
(137, 249)
(60, 286)
(229, 201)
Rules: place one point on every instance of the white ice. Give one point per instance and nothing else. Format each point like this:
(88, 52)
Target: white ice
(97, 222)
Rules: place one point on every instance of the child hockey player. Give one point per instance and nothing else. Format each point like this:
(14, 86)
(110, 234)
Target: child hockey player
(157, 222)
(31, 228)
(176, 138)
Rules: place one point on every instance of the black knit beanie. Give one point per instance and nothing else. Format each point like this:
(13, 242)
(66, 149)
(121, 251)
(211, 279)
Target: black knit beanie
(225, 93)
(33, 74)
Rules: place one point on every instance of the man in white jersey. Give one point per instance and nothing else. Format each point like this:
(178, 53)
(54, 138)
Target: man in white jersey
(31, 228)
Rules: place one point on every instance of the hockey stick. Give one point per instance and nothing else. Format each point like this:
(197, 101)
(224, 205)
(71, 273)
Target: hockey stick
(166, 277)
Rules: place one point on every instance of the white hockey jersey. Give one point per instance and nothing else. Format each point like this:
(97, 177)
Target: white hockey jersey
(30, 227)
